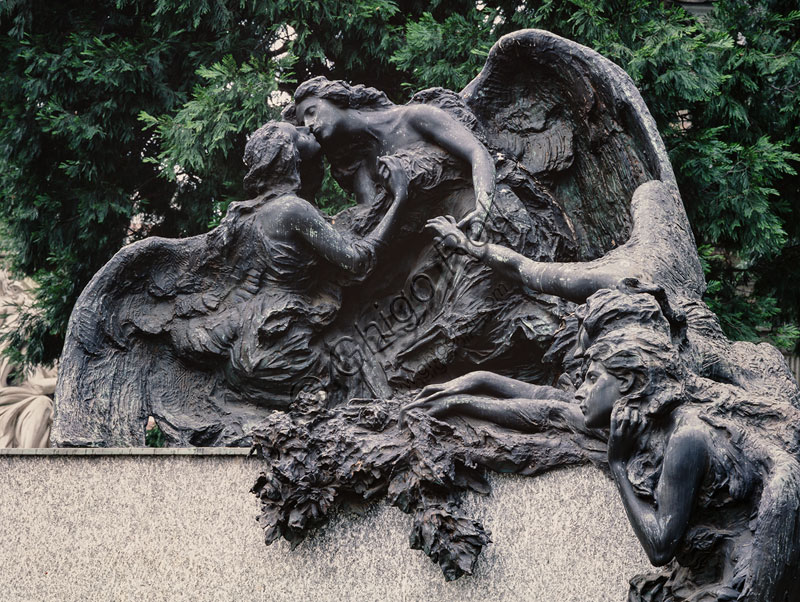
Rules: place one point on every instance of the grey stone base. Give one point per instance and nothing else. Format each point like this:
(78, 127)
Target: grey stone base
(182, 528)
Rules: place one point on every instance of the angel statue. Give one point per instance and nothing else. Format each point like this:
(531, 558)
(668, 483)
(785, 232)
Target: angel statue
(698, 433)
(213, 331)
(556, 319)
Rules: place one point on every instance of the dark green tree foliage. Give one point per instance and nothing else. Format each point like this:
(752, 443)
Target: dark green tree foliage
(114, 110)
(447, 54)
(201, 145)
(73, 162)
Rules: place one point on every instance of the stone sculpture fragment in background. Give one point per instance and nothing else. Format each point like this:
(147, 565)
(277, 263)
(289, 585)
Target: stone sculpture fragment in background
(26, 407)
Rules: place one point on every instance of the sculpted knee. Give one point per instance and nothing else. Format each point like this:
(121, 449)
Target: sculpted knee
(40, 409)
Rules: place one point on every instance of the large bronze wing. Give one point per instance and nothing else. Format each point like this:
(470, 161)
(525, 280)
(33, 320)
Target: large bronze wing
(576, 120)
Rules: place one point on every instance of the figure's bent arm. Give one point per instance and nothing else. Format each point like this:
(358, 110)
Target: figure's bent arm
(356, 256)
(303, 219)
(661, 526)
(329, 243)
(444, 130)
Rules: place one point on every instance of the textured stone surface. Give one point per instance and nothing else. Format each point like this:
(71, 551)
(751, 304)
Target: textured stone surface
(139, 528)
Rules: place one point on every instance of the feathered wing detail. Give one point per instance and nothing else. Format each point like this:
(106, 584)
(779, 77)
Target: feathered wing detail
(208, 334)
(116, 346)
(576, 120)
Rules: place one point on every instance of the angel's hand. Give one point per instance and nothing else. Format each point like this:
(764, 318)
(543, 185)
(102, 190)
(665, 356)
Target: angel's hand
(439, 398)
(463, 385)
(447, 233)
(394, 178)
(627, 425)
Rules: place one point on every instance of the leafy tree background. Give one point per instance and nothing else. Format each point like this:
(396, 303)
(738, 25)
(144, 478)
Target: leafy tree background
(128, 118)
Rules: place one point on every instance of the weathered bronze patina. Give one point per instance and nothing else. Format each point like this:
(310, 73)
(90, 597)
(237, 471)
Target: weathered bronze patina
(517, 289)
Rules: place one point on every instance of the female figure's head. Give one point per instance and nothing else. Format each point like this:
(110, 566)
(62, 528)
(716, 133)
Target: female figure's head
(282, 158)
(327, 107)
(598, 393)
(631, 360)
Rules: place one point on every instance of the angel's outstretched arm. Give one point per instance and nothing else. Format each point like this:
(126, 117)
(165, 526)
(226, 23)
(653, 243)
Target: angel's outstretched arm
(524, 415)
(572, 281)
(489, 384)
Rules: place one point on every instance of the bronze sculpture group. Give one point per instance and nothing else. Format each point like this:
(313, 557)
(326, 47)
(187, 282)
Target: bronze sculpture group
(598, 350)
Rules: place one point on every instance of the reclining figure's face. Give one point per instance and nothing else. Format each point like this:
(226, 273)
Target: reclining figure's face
(597, 395)
(311, 169)
(323, 118)
(307, 145)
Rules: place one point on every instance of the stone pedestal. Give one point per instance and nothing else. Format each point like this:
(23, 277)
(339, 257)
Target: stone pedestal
(182, 528)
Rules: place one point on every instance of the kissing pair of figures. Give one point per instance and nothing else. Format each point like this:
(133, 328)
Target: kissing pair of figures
(375, 149)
